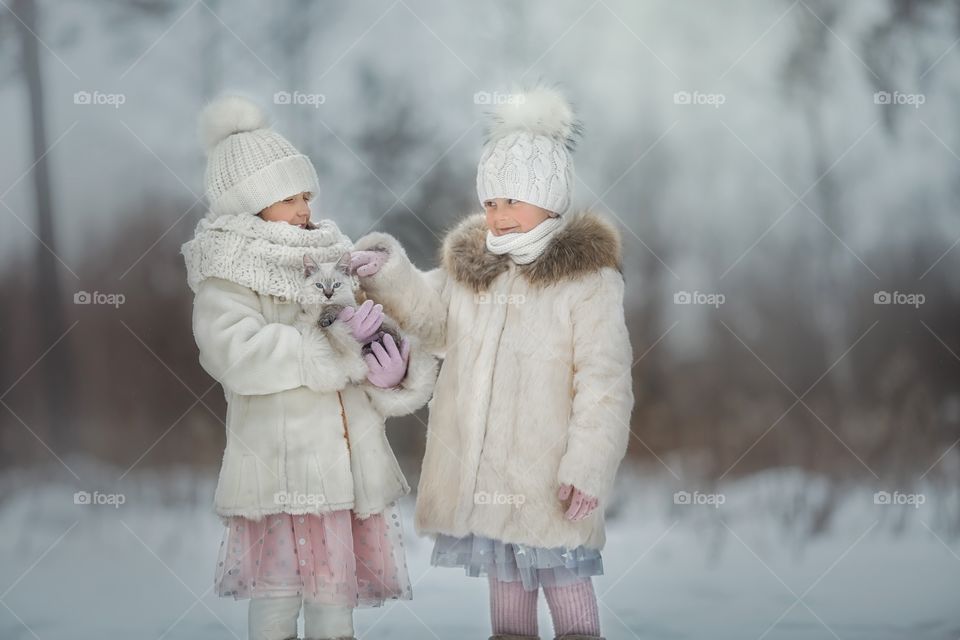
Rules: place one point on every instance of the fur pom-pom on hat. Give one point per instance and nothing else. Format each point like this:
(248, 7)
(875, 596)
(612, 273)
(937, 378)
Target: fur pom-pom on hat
(228, 115)
(540, 111)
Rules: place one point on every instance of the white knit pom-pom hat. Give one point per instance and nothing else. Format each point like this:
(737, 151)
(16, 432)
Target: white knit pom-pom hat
(249, 166)
(527, 154)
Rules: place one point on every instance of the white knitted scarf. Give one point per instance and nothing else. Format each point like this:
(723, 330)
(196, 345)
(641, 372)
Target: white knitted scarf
(266, 257)
(525, 247)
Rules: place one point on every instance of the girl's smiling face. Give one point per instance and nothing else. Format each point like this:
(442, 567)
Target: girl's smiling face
(294, 210)
(508, 215)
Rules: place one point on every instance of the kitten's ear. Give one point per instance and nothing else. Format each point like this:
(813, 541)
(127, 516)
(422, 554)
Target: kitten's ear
(309, 266)
(343, 264)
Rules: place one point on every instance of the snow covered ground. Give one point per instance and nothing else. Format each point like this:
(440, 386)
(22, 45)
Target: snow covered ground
(743, 570)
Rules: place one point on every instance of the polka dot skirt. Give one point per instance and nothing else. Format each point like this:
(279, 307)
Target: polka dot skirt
(331, 558)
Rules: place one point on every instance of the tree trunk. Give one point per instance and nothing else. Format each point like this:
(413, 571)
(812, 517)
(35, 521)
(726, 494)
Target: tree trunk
(56, 365)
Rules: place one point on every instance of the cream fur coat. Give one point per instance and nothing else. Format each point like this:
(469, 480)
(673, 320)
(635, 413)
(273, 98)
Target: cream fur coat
(535, 386)
(305, 429)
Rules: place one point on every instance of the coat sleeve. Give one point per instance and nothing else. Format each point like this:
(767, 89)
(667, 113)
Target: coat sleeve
(413, 391)
(416, 299)
(599, 428)
(251, 356)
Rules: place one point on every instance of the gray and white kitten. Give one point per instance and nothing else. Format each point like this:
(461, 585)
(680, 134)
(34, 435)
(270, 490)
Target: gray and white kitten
(328, 288)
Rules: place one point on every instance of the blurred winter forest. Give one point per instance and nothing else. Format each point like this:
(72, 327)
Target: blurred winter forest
(784, 175)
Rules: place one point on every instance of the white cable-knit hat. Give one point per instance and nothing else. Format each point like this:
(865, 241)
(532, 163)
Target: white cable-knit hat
(249, 166)
(527, 155)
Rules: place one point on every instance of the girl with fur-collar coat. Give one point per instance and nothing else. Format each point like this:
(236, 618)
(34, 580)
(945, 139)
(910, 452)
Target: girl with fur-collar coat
(308, 483)
(530, 415)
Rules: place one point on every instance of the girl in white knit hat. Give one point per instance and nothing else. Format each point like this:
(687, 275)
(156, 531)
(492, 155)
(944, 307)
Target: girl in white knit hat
(530, 416)
(308, 483)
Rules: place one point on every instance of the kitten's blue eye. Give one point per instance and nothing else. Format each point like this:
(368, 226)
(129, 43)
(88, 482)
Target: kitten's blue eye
(318, 285)
(336, 284)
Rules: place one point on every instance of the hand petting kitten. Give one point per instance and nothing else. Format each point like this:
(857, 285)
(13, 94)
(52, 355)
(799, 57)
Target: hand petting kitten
(367, 263)
(364, 321)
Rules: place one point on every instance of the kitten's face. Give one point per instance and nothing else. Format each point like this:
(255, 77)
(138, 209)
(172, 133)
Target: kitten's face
(327, 283)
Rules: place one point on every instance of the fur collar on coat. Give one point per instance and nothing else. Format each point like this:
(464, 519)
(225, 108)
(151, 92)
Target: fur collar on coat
(584, 244)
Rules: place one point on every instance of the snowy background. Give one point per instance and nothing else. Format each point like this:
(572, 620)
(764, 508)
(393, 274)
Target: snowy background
(744, 570)
(789, 167)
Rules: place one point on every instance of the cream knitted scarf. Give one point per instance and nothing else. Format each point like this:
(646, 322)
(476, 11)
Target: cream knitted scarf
(266, 257)
(525, 247)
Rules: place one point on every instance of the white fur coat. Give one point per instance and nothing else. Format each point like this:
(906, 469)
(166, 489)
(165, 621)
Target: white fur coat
(305, 430)
(535, 386)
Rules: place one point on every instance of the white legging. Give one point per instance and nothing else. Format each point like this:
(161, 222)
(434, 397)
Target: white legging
(276, 619)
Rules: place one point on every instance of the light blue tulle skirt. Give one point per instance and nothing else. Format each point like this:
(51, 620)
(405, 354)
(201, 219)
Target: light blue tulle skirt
(508, 562)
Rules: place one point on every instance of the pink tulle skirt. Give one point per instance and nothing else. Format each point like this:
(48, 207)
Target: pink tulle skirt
(331, 558)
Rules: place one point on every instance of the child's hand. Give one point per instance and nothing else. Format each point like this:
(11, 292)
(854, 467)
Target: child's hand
(367, 263)
(387, 366)
(581, 505)
(364, 321)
